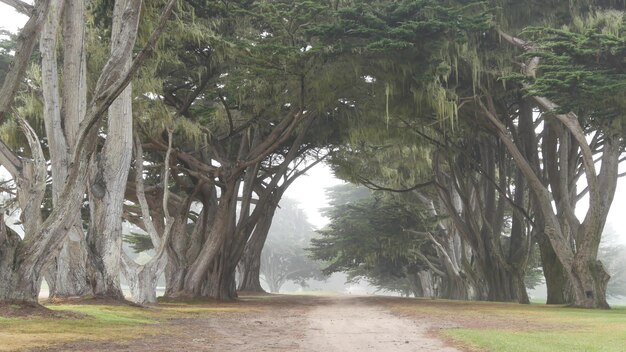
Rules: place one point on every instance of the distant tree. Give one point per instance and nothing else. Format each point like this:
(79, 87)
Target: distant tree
(381, 238)
(534, 274)
(284, 258)
(613, 256)
(7, 44)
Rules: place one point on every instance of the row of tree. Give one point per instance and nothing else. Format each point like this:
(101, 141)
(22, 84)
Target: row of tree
(533, 120)
(374, 236)
(231, 101)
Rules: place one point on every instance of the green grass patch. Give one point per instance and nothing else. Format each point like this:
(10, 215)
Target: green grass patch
(505, 327)
(112, 315)
(542, 341)
(100, 322)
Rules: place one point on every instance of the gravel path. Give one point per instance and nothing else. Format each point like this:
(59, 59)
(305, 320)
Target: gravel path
(350, 324)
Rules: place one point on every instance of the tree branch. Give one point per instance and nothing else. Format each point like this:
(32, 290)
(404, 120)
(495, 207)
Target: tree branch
(371, 185)
(148, 224)
(10, 160)
(27, 38)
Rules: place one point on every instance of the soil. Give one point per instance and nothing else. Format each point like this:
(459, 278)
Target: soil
(359, 324)
(26, 310)
(286, 323)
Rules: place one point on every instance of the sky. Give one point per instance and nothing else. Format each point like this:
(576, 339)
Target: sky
(308, 190)
(11, 20)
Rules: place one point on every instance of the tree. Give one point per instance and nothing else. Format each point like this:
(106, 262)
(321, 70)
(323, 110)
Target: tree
(65, 101)
(259, 127)
(284, 258)
(381, 238)
(586, 275)
(24, 260)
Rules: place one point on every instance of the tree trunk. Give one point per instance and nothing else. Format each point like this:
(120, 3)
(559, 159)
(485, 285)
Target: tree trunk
(70, 271)
(557, 284)
(588, 279)
(590, 283)
(16, 285)
(476, 206)
(43, 240)
(451, 249)
(204, 252)
(109, 174)
(143, 285)
(574, 243)
(250, 265)
(220, 284)
(67, 275)
(71, 263)
(142, 279)
(201, 270)
(424, 285)
(183, 249)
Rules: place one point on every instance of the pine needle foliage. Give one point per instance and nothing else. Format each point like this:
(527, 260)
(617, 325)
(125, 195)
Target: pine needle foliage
(370, 238)
(582, 66)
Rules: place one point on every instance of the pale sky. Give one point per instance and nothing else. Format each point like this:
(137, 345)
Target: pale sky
(11, 20)
(308, 190)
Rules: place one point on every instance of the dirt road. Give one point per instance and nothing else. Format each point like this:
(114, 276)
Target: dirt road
(285, 323)
(352, 324)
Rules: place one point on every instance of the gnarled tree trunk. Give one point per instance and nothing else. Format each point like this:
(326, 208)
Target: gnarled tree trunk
(250, 264)
(108, 177)
(67, 274)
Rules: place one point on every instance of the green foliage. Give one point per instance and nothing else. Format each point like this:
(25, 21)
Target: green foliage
(582, 67)
(379, 25)
(379, 237)
(534, 273)
(27, 105)
(7, 45)
(410, 48)
(139, 242)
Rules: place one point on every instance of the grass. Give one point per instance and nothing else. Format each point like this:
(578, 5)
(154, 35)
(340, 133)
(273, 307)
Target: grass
(101, 322)
(541, 341)
(512, 327)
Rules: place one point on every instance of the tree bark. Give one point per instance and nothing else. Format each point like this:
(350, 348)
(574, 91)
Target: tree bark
(13, 287)
(183, 248)
(68, 274)
(557, 284)
(471, 191)
(250, 264)
(109, 174)
(198, 273)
